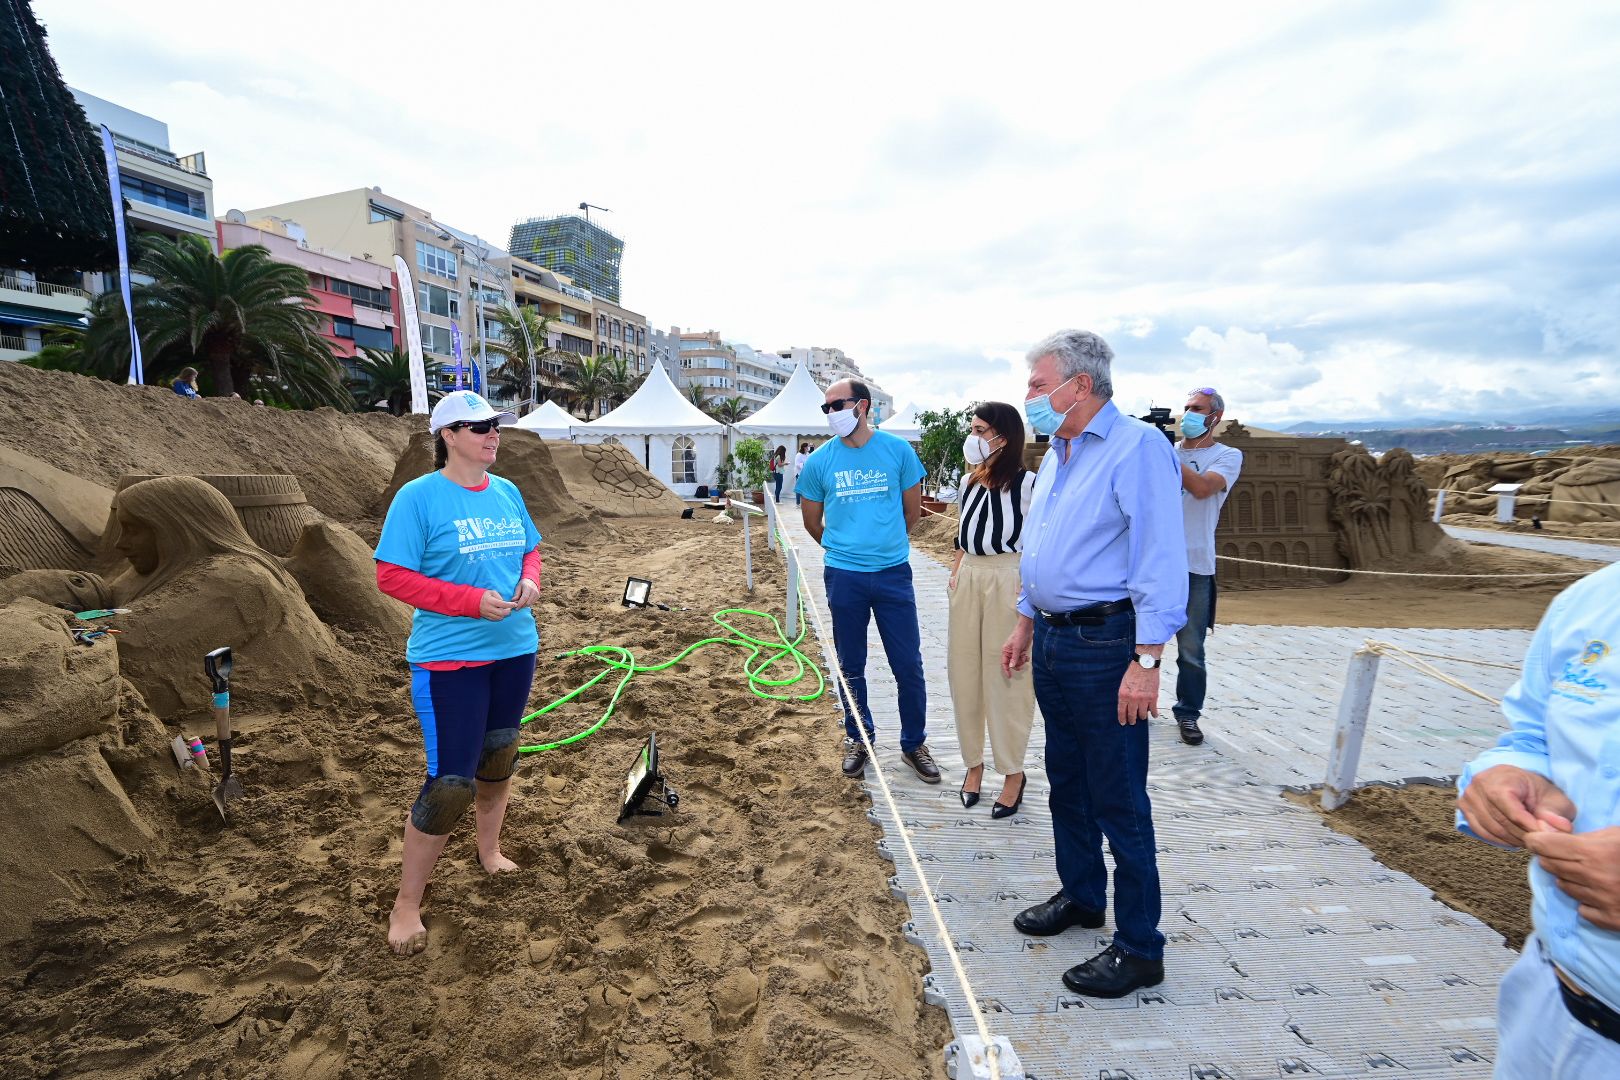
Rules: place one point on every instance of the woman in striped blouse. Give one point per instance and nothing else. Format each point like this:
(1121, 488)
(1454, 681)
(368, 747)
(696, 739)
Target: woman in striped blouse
(994, 502)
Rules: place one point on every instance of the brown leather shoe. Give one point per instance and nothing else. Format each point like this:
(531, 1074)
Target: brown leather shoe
(922, 763)
(854, 757)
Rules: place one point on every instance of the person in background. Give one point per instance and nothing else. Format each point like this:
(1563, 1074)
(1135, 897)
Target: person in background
(778, 466)
(798, 468)
(1104, 577)
(1552, 785)
(458, 545)
(1208, 471)
(994, 504)
(862, 497)
(186, 384)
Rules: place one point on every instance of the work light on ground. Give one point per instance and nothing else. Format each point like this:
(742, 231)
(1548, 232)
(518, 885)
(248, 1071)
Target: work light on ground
(639, 782)
(637, 592)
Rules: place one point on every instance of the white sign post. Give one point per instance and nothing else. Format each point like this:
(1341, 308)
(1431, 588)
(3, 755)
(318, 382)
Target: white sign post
(1354, 704)
(1506, 496)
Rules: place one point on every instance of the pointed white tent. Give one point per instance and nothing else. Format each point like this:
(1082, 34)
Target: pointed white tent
(549, 421)
(904, 423)
(791, 417)
(674, 439)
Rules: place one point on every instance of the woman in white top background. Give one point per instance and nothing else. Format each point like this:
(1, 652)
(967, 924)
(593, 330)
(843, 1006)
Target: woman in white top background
(994, 503)
(798, 467)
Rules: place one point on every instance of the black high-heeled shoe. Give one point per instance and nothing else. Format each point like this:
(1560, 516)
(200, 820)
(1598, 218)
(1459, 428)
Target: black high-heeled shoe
(970, 799)
(999, 810)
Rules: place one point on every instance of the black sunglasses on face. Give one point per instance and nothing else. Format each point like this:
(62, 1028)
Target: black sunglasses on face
(477, 427)
(837, 404)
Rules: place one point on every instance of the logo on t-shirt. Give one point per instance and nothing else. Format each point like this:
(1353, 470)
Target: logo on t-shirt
(479, 538)
(860, 485)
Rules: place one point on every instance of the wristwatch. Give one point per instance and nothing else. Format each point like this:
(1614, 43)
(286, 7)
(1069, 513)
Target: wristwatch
(1149, 662)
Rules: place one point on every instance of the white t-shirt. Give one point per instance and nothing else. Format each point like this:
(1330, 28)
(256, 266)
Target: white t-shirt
(1199, 515)
(798, 462)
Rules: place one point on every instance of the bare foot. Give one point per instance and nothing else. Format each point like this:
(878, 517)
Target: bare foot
(497, 864)
(406, 934)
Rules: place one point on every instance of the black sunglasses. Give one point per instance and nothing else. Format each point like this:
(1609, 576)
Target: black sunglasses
(837, 404)
(477, 427)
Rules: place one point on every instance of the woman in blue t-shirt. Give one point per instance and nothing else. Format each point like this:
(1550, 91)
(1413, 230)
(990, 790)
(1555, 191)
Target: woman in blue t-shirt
(458, 545)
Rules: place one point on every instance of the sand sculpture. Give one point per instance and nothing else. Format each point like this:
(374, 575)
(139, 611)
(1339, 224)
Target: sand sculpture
(1575, 486)
(339, 578)
(49, 519)
(270, 506)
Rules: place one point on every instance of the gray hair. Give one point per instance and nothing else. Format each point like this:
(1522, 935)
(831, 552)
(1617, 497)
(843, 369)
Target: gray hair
(1078, 352)
(1217, 404)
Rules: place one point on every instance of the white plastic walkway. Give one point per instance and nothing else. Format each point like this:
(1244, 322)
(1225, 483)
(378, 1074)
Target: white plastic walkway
(1292, 952)
(1553, 545)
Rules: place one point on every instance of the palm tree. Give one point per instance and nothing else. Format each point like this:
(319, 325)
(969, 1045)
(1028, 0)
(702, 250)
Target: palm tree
(730, 410)
(621, 381)
(518, 372)
(588, 383)
(100, 351)
(698, 396)
(243, 318)
(386, 376)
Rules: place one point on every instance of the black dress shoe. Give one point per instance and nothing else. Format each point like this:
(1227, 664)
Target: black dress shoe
(1189, 731)
(854, 758)
(922, 763)
(1054, 917)
(1113, 973)
(970, 799)
(1002, 810)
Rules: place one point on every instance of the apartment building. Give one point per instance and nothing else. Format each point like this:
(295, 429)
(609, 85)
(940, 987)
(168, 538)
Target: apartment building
(707, 361)
(829, 365)
(760, 375)
(169, 194)
(621, 332)
(568, 307)
(460, 279)
(573, 245)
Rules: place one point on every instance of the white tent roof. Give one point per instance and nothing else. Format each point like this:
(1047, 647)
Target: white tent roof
(549, 421)
(657, 408)
(903, 423)
(795, 410)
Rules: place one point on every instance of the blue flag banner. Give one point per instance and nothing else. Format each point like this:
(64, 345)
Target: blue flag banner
(455, 344)
(137, 370)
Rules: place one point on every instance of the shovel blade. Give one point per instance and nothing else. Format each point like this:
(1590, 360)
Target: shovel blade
(228, 790)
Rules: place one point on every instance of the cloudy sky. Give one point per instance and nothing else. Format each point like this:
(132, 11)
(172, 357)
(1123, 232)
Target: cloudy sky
(1326, 210)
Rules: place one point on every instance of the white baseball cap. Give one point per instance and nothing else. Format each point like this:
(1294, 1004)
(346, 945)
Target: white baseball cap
(461, 406)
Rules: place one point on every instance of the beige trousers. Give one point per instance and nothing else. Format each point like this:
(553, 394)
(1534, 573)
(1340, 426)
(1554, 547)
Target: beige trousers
(983, 617)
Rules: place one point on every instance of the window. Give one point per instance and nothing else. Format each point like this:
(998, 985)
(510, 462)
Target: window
(1245, 510)
(683, 460)
(383, 213)
(436, 260)
(364, 295)
(140, 189)
(1268, 510)
(342, 327)
(1291, 509)
(370, 337)
(437, 339)
(437, 300)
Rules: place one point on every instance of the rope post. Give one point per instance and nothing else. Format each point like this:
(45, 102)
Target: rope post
(1439, 504)
(792, 591)
(748, 550)
(770, 521)
(1356, 701)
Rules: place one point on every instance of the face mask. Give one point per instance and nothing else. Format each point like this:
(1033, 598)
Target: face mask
(975, 449)
(1193, 424)
(843, 422)
(1042, 417)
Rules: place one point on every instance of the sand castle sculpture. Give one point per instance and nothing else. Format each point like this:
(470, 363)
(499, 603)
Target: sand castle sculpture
(1575, 486)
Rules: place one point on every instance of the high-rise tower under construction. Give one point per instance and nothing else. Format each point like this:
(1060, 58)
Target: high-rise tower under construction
(571, 245)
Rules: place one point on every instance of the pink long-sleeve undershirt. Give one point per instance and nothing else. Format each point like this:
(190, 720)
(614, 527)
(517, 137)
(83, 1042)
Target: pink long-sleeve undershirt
(444, 597)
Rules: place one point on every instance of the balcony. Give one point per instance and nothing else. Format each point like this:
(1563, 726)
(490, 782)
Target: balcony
(13, 346)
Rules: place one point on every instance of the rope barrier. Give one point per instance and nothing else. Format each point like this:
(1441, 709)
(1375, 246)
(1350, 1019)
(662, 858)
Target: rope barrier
(992, 1051)
(1394, 573)
(1412, 660)
(1521, 497)
(1464, 660)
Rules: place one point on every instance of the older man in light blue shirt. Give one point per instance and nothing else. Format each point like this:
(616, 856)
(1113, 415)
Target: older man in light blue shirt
(1552, 785)
(1104, 574)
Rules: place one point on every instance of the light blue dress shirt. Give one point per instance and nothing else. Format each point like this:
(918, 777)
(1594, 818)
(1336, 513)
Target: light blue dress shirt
(1105, 523)
(1565, 716)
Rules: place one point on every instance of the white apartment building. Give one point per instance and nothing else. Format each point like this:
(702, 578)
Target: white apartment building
(829, 365)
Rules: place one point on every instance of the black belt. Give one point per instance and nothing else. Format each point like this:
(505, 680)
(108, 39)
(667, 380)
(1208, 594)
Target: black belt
(1090, 615)
(1591, 1012)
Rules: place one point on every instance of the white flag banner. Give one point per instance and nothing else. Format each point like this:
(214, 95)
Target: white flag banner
(413, 336)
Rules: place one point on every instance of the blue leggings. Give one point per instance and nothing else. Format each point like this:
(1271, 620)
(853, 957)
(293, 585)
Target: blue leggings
(458, 708)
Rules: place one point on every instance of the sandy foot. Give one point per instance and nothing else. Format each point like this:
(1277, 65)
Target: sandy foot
(497, 864)
(407, 936)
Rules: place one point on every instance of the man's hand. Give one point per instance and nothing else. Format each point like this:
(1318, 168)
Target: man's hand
(1586, 866)
(494, 607)
(1502, 804)
(528, 591)
(1015, 653)
(1138, 694)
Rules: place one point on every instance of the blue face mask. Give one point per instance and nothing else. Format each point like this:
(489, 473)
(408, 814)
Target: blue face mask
(1193, 424)
(1042, 417)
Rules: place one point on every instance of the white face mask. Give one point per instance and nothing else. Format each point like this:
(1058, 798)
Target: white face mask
(976, 448)
(844, 421)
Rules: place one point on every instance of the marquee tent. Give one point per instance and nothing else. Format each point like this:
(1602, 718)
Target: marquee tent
(904, 423)
(549, 421)
(791, 417)
(674, 439)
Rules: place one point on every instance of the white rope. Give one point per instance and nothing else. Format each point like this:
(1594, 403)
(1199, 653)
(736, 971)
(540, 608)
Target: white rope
(1411, 660)
(1524, 498)
(992, 1051)
(1394, 573)
(1464, 660)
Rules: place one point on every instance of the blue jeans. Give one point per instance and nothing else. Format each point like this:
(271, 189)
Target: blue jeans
(1192, 676)
(777, 477)
(1098, 771)
(1537, 1038)
(853, 598)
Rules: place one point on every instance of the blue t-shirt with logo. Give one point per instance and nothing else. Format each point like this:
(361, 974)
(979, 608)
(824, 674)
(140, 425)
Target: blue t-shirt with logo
(860, 489)
(440, 529)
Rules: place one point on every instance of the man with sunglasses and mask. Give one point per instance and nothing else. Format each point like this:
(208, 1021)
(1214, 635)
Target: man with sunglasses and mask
(1104, 575)
(862, 495)
(1208, 471)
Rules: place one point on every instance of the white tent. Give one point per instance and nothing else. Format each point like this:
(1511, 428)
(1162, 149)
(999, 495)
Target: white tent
(674, 439)
(791, 417)
(904, 423)
(549, 421)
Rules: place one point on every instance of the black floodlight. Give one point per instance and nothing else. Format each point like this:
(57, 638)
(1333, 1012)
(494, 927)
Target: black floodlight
(637, 592)
(640, 780)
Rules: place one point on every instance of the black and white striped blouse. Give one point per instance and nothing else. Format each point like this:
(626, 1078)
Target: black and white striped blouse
(993, 521)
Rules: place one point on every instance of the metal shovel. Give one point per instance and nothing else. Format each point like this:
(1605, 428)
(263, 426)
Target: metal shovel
(217, 665)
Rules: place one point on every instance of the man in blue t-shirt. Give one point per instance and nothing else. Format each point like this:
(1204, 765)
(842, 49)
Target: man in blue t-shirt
(862, 494)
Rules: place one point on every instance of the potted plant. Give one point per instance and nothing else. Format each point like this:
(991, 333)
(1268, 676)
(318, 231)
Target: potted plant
(752, 456)
(724, 476)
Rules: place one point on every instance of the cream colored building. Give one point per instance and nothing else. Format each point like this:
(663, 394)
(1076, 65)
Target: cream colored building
(621, 332)
(709, 362)
(829, 365)
(568, 307)
(168, 193)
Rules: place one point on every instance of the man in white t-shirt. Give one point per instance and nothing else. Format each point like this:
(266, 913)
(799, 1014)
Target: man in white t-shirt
(1208, 471)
